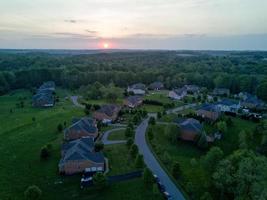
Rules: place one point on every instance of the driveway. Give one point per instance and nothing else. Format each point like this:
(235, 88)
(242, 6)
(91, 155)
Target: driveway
(152, 162)
(74, 100)
(180, 108)
(105, 140)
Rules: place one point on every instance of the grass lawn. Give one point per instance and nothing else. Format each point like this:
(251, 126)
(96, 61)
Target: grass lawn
(22, 139)
(183, 153)
(117, 135)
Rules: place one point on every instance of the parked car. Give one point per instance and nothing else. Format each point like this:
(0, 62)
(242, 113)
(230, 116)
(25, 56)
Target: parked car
(161, 187)
(86, 181)
(167, 196)
(156, 178)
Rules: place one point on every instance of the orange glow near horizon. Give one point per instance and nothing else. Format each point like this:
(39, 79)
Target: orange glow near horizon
(106, 45)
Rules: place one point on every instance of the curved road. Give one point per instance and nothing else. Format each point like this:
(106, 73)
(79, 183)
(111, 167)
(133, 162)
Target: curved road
(152, 163)
(105, 140)
(74, 100)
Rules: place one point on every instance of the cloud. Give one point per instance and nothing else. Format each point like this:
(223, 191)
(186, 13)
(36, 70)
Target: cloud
(91, 31)
(74, 35)
(72, 21)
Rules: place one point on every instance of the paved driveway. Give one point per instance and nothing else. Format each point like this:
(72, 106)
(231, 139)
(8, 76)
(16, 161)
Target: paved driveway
(180, 108)
(152, 162)
(105, 140)
(74, 100)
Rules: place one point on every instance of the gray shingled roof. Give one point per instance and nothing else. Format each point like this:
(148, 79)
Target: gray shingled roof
(156, 85)
(87, 124)
(134, 99)
(81, 149)
(140, 86)
(191, 124)
(108, 109)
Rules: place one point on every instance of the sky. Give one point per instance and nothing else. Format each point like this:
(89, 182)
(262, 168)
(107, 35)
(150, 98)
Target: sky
(134, 24)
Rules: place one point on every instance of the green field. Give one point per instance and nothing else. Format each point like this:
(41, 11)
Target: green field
(117, 135)
(183, 153)
(22, 139)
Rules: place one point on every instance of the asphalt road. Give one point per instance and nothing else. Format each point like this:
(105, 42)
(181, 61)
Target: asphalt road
(152, 162)
(105, 140)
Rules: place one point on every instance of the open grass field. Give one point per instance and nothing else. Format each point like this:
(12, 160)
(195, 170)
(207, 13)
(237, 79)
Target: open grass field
(183, 153)
(117, 135)
(22, 139)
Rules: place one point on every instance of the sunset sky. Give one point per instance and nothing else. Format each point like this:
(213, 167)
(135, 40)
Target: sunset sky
(134, 24)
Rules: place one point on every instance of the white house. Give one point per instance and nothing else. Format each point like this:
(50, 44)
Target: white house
(228, 105)
(177, 94)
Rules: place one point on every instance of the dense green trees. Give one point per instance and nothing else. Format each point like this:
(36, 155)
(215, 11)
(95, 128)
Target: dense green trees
(237, 72)
(33, 192)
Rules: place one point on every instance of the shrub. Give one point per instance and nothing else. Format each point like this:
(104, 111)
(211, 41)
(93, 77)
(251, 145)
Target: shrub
(99, 146)
(139, 161)
(59, 127)
(176, 170)
(148, 178)
(133, 150)
(100, 180)
(33, 192)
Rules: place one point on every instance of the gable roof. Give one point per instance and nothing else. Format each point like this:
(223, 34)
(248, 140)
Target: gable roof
(191, 88)
(156, 85)
(109, 109)
(137, 86)
(227, 102)
(47, 85)
(221, 91)
(191, 124)
(209, 107)
(86, 124)
(134, 99)
(179, 91)
(81, 149)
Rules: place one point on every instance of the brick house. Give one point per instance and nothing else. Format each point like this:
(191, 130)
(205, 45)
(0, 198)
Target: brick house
(107, 113)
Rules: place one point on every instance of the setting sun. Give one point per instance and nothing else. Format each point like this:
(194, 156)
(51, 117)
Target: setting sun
(106, 45)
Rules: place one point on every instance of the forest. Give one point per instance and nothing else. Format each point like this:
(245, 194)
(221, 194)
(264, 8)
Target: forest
(238, 71)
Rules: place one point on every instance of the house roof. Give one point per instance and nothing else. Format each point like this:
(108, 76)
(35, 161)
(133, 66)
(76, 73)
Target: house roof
(253, 100)
(227, 102)
(179, 91)
(156, 85)
(134, 99)
(191, 124)
(139, 86)
(81, 149)
(108, 109)
(47, 85)
(193, 88)
(86, 124)
(209, 107)
(221, 90)
(43, 97)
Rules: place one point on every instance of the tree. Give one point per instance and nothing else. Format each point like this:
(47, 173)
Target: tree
(211, 159)
(206, 196)
(262, 91)
(166, 158)
(59, 127)
(202, 141)
(99, 180)
(129, 132)
(45, 153)
(222, 127)
(155, 190)
(148, 178)
(129, 142)
(150, 134)
(242, 140)
(242, 174)
(172, 132)
(33, 192)
(99, 146)
(33, 119)
(152, 121)
(139, 161)
(133, 150)
(159, 115)
(176, 170)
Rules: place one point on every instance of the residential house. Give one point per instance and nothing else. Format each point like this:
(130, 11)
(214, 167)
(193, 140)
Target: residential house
(209, 112)
(133, 101)
(44, 96)
(78, 155)
(137, 89)
(252, 102)
(107, 113)
(156, 86)
(192, 89)
(84, 127)
(177, 94)
(221, 92)
(191, 129)
(228, 105)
